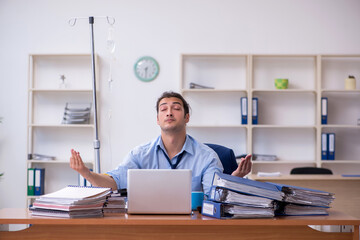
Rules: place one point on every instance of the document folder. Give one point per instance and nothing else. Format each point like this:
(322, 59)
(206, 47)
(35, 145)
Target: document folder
(247, 186)
(31, 182)
(331, 146)
(324, 110)
(224, 210)
(244, 110)
(255, 110)
(220, 194)
(324, 146)
(305, 196)
(39, 181)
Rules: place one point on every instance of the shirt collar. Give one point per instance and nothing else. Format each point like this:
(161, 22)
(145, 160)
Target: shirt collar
(188, 146)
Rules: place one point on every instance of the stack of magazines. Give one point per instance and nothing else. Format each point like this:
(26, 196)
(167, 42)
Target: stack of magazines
(77, 113)
(235, 197)
(72, 202)
(116, 203)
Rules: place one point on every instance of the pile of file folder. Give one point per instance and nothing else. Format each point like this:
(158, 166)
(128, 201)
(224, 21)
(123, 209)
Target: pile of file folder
(235, 197)
(116, 203)
(72, 202)
(77, 113)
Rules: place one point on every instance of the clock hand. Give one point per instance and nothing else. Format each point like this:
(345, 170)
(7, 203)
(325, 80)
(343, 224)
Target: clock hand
(146, 68)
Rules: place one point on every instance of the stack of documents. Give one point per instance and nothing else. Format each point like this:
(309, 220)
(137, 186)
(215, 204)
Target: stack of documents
(235, 197)
(224, 195)
(77, 113)
(264, 157)
(239, 205)
(198, 86)
(116, 203)
(290, 209)
(305, 196)
(222, 210)
(72, 202)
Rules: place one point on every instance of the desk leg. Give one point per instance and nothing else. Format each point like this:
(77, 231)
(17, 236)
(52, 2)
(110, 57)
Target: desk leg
(4, 227)
(135, 232)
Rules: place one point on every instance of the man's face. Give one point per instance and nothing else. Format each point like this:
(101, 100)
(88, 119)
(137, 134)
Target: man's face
(171, 115)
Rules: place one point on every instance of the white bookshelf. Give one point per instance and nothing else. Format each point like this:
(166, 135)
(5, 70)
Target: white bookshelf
(47, 97)
(289, 123)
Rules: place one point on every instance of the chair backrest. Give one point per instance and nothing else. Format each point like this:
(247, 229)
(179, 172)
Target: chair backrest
(310, 170)
(227, 157)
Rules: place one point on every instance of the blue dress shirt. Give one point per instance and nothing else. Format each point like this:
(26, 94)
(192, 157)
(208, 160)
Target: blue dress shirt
(202, 160)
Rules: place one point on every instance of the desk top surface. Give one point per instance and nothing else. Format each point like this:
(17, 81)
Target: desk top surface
(22, 216)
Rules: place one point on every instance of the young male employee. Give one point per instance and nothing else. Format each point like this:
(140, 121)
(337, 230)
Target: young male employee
(172, 149)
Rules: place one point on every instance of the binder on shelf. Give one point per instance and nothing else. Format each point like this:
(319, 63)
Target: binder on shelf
(244, 110)
(331, 146)
(324, 110)
(82, 180)
(31, 182)
(324, 146)
(255, 110)
(88, 183)
(39, 181)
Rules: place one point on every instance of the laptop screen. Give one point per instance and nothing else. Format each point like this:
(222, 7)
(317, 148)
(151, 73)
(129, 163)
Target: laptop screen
(159, 191)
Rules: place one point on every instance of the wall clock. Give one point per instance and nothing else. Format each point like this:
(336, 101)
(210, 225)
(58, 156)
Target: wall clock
(146, 68)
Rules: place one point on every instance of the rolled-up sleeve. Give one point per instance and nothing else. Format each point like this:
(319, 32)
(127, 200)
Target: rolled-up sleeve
(214, 166)
(120, 173)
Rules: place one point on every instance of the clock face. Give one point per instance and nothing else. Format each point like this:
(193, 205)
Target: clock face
(146, 69)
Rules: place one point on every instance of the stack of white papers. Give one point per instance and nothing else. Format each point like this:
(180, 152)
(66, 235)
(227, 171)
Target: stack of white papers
(72, 202)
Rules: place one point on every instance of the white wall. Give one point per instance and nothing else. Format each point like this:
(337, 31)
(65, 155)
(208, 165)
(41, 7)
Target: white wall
(163, 29)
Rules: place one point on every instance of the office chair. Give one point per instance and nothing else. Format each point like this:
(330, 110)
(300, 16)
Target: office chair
(227, 157)
(310, 170)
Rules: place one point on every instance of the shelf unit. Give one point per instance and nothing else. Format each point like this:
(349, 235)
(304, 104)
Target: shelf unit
(289, 123)
(47, 96)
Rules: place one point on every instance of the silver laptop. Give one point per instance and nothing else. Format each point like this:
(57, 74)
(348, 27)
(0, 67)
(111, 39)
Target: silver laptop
(159, 191)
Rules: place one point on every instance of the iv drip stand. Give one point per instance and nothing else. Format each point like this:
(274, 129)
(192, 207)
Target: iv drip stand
(96, 140)
(72, 22)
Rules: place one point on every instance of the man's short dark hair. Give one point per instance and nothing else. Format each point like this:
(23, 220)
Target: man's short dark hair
(171, 94)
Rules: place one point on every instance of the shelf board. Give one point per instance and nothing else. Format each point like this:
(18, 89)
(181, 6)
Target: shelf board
(197, 55)
(340, 161)
(217, 126)
(339, 91)
(283, 162)
(284, 91)
(61, 161)
(60, 90)
(33, 197)
(62, 125)
(340, 56)
(60, 54)
(283, 126)
(339, 126)
(207, 90)
(283, 55)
